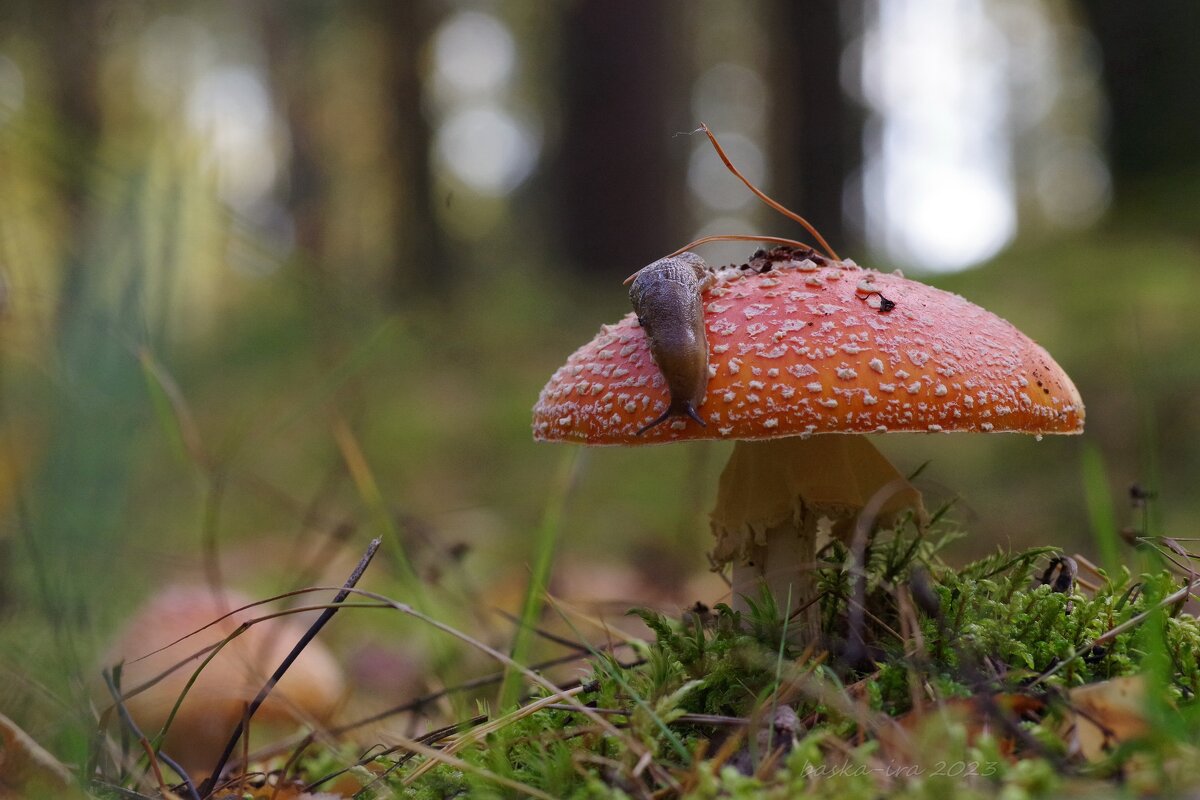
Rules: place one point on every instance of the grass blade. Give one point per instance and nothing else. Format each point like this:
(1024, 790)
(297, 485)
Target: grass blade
(543, 558)
(1100, 507)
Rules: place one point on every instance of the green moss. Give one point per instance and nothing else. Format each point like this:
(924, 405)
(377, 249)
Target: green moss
(996, 628)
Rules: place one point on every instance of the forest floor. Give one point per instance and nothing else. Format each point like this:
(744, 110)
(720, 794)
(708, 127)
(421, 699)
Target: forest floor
(1026, 674)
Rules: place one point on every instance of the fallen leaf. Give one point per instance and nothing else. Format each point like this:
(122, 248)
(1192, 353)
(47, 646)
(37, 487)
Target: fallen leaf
(993, 715)
(1103, 715)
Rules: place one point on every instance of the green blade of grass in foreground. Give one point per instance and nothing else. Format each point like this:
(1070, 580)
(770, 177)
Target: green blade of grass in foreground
(171, 411)
(1100, 507)
(543, 556)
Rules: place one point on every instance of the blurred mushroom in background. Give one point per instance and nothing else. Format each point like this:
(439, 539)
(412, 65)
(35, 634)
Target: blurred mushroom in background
(309, 692)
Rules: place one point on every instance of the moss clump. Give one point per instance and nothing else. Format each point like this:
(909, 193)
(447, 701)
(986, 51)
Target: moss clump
(970, 664)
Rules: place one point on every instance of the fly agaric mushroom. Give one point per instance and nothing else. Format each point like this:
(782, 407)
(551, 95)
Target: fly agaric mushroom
(309, 691)
(800, 347)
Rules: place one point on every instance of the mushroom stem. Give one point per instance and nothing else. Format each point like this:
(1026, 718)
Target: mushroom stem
(776, 495)
(784, 564)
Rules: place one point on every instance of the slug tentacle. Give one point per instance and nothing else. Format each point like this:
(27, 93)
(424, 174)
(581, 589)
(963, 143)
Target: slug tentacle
(666, 298)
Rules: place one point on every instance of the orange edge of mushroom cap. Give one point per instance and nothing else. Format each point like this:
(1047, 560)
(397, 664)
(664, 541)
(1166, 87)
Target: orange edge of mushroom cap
(806, 348)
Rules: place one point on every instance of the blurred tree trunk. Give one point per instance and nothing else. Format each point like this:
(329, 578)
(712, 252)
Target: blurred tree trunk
(619, 176)
(69, 32)
(421, 262)
(816, 131)
(292, 34)
(1150, 63)
(288, 35)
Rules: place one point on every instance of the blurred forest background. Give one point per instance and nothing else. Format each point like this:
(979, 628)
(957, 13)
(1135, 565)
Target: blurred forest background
(279, 277)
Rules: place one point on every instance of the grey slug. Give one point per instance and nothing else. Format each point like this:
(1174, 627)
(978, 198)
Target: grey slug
(666, 299)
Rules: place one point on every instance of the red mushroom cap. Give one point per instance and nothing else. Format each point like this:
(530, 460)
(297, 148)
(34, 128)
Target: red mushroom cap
(801, 344)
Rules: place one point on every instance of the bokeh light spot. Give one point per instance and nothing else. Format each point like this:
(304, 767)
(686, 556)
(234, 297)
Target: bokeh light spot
(487, 149)
(719, 253)
(473, 54)
(715, 185)
(172, 52)
(12, 89)
(730, 96)
(937, 186)
(1073, 184)
(230, 110)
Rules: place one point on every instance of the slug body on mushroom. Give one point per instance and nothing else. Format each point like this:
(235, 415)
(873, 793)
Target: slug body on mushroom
(666, 298)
